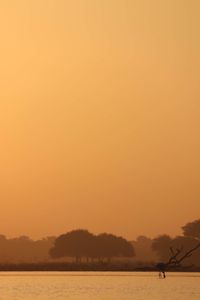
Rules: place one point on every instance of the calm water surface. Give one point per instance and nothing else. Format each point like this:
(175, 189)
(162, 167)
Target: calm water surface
(98, 286)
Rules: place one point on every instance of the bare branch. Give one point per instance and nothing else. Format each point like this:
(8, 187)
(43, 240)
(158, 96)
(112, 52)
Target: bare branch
(189, 253)
(174, 260)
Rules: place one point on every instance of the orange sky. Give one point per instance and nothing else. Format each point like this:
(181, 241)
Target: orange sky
(99, 116)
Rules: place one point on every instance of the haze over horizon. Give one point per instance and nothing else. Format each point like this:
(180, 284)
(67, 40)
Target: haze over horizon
(99, 116)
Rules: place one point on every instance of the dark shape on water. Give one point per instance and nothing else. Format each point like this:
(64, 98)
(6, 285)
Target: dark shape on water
(175, 259)
(162, 275)
(162, 268)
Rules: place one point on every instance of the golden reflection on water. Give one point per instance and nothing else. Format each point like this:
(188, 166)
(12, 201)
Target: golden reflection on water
(98, 286)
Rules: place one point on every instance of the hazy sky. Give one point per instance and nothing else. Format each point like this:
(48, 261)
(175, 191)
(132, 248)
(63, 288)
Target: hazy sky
(99, 116)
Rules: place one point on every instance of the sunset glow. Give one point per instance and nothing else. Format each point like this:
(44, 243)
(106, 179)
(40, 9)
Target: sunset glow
(99, 116)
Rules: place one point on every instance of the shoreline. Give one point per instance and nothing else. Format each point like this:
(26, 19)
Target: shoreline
(73, 267)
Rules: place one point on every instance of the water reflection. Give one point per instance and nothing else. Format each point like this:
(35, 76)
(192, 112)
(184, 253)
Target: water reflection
(98, 286)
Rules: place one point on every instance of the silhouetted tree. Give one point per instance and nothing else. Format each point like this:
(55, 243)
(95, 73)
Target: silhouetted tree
(174, 252)
(192, 229)
(177, 256)
(76, 243)
(163, 245)
(110, 246)
(125, 248)
(81, 243)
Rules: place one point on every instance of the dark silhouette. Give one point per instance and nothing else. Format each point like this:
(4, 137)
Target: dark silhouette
(192, 229)
(76, 243)
(83, 244)
(109, 245)
(177, 256)
(164, 244)
(190, 242)
(103, 252)
(24, 250)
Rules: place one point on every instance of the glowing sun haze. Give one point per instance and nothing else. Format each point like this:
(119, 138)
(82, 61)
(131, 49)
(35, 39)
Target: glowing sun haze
(99, 116)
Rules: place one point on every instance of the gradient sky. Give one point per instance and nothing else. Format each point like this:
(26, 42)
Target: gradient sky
(99, 116)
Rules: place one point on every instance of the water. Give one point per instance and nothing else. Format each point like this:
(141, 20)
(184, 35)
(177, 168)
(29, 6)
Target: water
(98, 286)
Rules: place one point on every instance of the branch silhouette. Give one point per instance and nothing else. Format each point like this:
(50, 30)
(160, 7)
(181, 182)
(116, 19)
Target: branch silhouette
(175, 259)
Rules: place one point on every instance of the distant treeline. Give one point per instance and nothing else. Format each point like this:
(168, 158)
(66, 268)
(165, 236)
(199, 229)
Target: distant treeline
(23, 249)
(81, 246)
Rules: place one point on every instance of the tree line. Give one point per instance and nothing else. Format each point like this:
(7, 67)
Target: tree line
(23, 249)
(83, 245)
